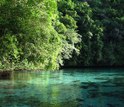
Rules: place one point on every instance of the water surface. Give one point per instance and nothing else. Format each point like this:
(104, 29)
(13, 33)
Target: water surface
(64, 88)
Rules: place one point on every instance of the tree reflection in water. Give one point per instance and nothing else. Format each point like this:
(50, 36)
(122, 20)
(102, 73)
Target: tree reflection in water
(68, 88)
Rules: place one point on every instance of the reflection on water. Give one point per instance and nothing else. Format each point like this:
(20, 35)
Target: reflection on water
(64, 88)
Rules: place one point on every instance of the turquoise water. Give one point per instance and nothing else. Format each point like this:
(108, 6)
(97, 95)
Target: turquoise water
(64, 88)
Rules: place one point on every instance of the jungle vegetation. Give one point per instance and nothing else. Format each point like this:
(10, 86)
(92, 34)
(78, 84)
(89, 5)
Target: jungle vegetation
(46, 34)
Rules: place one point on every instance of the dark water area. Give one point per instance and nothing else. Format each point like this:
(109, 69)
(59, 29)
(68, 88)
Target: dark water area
(64, 88)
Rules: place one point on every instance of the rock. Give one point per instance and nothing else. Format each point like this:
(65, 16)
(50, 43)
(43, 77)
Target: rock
(5, 74)
(110, 105)
(79, 99)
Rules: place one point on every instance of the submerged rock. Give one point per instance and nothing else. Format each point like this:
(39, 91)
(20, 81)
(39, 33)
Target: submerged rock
(5, 74)
(80, 99)
(89, 85)
(113, 94)
(110, 105)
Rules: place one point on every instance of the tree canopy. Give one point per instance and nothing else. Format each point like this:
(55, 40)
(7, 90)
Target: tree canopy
(46, 34)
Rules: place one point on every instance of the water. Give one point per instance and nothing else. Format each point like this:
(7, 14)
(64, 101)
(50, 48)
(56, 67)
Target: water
(64, 88)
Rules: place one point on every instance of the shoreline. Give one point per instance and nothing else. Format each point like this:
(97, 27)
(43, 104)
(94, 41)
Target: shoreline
(6, 73)
(92, 67)
(63, 67)
(16, 70)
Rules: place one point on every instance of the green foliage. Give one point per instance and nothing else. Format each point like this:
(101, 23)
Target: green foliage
(111, 17)
(100, 23)
(46, 34)
(32, 35)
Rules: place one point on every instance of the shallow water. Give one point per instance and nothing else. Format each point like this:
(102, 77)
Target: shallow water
(64, 88)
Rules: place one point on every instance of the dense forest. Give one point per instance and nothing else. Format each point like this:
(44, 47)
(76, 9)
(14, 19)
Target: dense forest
(47, 34)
